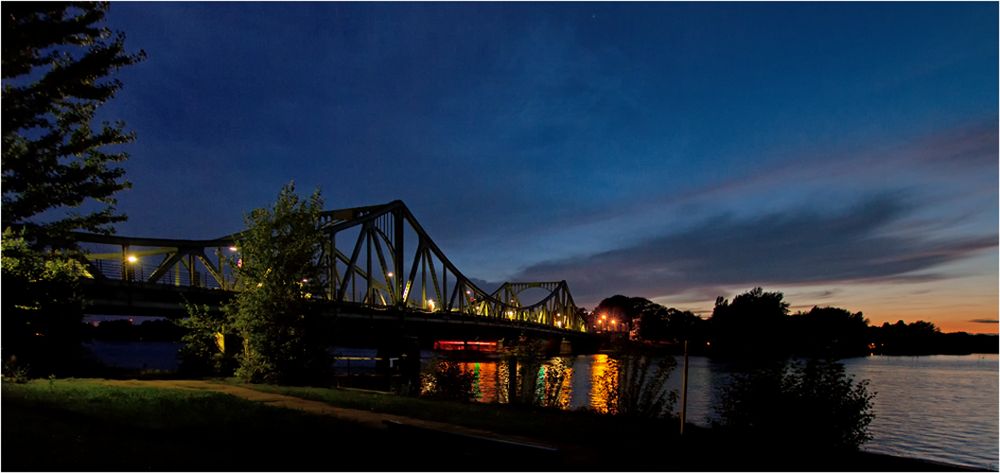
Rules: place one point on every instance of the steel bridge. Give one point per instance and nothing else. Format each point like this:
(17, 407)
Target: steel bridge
(375, 260)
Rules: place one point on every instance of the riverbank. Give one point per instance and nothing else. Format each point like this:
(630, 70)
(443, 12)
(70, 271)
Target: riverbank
(97, 424)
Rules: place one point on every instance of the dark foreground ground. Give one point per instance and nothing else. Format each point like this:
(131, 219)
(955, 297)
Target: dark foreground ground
(86, 425)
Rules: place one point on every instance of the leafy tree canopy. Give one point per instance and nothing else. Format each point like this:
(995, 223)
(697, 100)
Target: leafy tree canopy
(279, 273)
(56, 63)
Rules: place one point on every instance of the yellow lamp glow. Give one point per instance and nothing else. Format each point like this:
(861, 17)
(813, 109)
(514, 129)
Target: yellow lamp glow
(131, 259)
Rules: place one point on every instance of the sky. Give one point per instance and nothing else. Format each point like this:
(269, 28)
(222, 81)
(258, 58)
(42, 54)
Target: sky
(845, 154)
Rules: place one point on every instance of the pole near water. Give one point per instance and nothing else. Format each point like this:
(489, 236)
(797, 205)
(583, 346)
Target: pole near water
(684, 388)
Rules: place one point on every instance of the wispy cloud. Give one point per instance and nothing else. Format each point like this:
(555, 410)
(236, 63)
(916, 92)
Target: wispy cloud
(803, 246)
(985, 321)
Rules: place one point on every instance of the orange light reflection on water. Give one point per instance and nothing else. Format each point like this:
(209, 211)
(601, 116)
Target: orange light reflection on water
(599, 374)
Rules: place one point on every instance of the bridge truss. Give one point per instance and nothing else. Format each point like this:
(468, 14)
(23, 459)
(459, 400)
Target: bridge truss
(375, 257)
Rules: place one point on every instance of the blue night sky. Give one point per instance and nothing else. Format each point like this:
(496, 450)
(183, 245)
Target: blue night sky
(845, 154)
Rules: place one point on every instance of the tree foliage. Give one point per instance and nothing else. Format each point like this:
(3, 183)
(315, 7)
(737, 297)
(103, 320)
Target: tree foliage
(279, 273)
(802, 406)
(205, 351)
(42, 307)
(56, 63)
(671, 325)
(753, 324)
(828, 332)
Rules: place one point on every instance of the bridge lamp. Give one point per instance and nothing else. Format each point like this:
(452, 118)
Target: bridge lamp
(390, 274)
(233, 248)
(132, 259)
(430, 304)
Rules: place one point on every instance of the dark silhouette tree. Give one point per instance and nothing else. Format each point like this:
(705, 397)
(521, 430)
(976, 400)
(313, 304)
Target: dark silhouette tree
(828, 332)
(916, 338)
(671, 325)
(56, 63)
(623, 309)
(753, 325)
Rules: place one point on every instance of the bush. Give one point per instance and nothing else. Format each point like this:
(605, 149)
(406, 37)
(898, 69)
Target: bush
(208, 347)
(810, 406)
(447, 380)
(634, 384)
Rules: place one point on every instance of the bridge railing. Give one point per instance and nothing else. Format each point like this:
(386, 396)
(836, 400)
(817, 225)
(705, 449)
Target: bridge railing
(185, 263)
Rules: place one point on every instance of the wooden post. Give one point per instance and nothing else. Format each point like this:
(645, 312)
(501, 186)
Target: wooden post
(684, 388)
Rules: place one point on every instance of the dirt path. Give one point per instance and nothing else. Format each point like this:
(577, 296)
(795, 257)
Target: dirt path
(368, 418)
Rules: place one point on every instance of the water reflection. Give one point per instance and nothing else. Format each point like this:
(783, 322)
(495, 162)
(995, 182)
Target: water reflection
(600, 389)
(939, 407)
(563, 382)
(555, 380)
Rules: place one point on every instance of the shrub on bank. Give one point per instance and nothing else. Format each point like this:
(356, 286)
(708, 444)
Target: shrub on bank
(811, 406)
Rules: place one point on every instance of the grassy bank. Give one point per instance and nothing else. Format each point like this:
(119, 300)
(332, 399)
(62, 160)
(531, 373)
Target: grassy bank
(84, 425)
(596, 441)
(546, 424)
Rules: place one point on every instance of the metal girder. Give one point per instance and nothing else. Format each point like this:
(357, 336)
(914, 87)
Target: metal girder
(378, 265)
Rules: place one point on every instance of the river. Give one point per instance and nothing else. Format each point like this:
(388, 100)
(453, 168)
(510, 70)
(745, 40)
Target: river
(941, 408)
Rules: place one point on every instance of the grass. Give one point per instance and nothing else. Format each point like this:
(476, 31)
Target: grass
(85, 425)
(595, 441)
(541, 423)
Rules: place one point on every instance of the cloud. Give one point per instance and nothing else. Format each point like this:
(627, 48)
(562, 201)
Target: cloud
(801, 246)
(958, 151)
(985, 321)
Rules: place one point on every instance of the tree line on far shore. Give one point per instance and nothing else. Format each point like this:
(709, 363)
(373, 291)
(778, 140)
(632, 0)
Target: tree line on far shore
(754, 323)
(758, 323)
